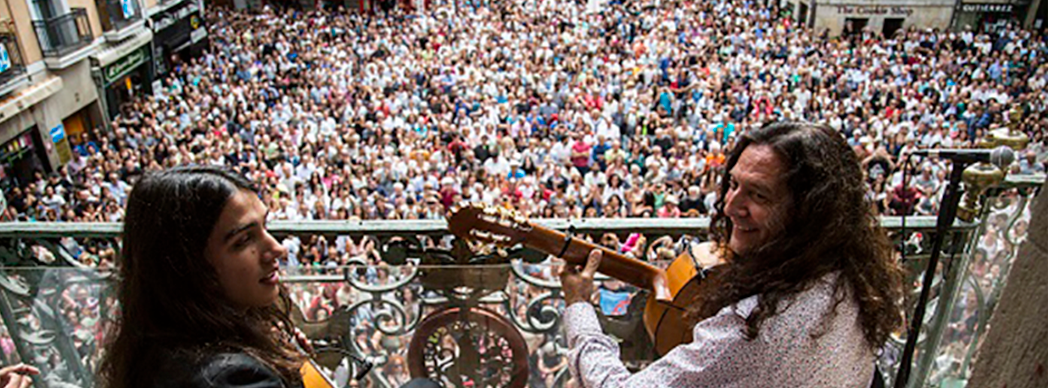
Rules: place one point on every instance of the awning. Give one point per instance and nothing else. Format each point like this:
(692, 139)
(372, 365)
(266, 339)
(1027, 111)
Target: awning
(109, 54)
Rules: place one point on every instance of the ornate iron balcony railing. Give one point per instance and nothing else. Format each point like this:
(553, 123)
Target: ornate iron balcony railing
(418, 284)
(63, 34)
(117, 14)
(11, 62)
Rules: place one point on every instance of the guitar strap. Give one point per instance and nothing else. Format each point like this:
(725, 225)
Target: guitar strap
(567, 240)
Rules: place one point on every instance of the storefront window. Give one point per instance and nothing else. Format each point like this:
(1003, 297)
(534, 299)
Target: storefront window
(121, 92)
(20, 158)
(127, 77)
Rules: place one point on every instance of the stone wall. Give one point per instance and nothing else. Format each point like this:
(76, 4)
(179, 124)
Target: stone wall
(1014, 352)
(45, 109)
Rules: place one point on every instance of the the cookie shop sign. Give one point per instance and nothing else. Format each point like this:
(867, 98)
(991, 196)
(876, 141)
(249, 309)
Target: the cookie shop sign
(875, 10)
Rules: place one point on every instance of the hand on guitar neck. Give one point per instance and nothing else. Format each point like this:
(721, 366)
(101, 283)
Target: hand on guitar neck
(671, 291)
(303, 342)
(578, 285)
(506, 228)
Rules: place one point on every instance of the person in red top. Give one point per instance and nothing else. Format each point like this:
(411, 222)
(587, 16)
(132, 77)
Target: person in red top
(447, 192)
(904, 197)
(580, 155)
(457, 147)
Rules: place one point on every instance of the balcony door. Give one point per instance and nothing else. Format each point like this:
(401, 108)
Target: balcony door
(59, 27)
(45, 10)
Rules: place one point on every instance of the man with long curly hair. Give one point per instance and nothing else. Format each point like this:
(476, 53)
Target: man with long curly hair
(810, 293)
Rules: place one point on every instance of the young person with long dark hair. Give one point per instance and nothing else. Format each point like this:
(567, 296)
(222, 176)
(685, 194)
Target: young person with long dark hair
(811, 288)
(201, 304)
(200, 300)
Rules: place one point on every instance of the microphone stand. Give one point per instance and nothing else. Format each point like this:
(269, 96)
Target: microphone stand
(947, 214)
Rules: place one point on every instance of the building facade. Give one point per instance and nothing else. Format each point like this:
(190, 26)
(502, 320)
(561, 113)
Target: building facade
(68, 66)
(884, 16)
(178, 33)
(888, 16)
(989, 15)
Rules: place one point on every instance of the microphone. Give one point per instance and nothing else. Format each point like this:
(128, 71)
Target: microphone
(1001, 156)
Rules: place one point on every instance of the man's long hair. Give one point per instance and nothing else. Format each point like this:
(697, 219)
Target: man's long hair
(829, 228)
(170, 297)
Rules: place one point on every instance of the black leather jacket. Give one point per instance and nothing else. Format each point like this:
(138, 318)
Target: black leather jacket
(218, 370)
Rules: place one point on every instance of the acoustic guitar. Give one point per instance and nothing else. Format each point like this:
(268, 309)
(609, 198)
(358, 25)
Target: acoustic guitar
(671, 291)
(312, 377)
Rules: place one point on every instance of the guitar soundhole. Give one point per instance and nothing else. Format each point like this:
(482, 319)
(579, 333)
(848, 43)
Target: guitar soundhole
(471, 347)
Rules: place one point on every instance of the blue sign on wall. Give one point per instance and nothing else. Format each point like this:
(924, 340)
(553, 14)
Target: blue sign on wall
(57, 133)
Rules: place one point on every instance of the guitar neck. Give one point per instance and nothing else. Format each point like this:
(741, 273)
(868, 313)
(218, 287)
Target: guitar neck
(613, 264)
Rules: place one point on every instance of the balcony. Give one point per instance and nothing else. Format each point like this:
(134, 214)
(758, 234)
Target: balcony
(63, 35)
(11, 63)
(409, 284)
(120, 18)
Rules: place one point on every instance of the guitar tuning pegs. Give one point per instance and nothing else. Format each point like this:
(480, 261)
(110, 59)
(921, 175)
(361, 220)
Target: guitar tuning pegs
(507, 213)
(480, 235)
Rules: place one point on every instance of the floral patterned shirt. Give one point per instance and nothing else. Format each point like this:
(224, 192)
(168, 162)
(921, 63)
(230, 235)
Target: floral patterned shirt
(800, 347)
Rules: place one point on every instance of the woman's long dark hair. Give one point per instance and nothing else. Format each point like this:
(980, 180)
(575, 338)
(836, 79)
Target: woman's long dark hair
(169, 294)
(829, 228)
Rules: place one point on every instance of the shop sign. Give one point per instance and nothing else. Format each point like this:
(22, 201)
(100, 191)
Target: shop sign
(194, 21)
(196, 24)
(875, 10)
(124, 65)
(168, 18)
(58, 133)
(5, 60)
(198, 34)
(987, 8)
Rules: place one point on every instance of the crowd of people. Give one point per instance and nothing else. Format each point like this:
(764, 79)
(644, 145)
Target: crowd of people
(545, 107)
(542, 107)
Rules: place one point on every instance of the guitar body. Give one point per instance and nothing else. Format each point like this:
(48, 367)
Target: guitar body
(312, 377)
(687, 277)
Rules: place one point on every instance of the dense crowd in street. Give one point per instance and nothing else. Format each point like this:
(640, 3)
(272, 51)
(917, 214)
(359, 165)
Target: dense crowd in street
(540, 106)
(549, 110)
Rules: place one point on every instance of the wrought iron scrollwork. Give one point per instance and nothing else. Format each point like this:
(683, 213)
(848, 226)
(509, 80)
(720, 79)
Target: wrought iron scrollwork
(471, 345)
(429, 274)
(52, 306)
